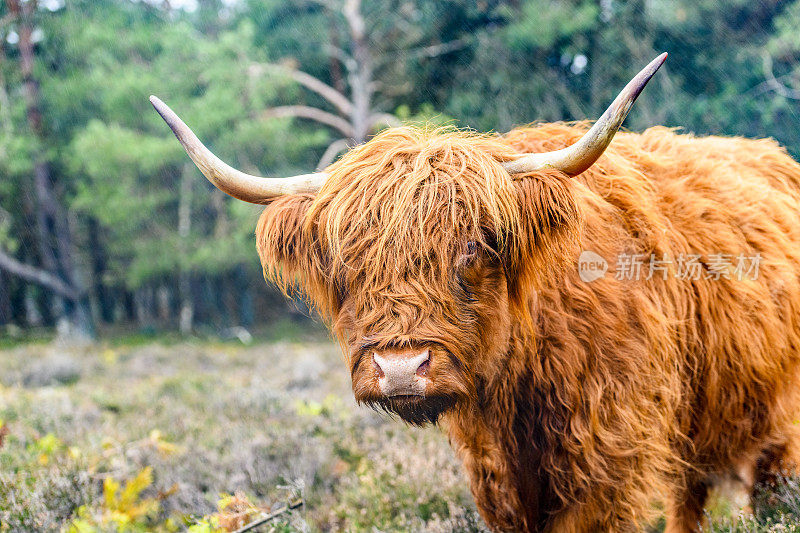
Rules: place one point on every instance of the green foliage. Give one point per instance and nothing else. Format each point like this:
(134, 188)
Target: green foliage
(534, 27)
(776, 509)
(734, 69)
(128, 169)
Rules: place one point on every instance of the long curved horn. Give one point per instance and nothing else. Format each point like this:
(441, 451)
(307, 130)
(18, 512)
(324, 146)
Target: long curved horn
(253, 189)
(576, 158)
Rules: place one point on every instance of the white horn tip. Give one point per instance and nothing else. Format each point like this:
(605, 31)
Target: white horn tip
(158, 104)
(181, 131)
(657, 62)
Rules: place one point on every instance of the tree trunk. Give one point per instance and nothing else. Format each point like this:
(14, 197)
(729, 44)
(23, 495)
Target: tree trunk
(198, 302)
(17, 297)
(5, 299)
(143, 303)
(33, 317)
(361, 76)
(244, 299)
(334, 66)
(163, 298)
(98, 258)
(128, 304)
(186, 313)
(54, 232)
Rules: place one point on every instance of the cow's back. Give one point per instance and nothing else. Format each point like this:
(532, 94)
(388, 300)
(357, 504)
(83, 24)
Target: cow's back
(735, 203)
(717, 354)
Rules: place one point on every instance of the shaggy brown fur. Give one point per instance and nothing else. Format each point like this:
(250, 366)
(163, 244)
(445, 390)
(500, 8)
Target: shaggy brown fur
(574, 406)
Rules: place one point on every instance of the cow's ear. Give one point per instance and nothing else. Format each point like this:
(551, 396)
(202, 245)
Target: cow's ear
(549, 223)
(284, 246)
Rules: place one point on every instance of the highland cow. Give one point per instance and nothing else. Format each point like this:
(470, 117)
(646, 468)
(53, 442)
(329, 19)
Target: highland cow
(446, 264)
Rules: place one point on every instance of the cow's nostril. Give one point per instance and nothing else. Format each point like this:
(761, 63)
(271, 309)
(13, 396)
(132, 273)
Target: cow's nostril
(422, 370)
(377, 367)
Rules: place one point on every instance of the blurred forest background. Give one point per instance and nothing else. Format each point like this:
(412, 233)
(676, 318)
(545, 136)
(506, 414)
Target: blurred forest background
(105, 223)
(166, 421)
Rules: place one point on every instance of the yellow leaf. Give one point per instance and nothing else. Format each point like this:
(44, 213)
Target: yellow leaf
(109, 356)
(120, 519)
(110, 489)
(134, 488)
(166, 448)
(224, 501)
(308, 408)
(172, 525)
(81, 526)
(143, 508)
(48, 444)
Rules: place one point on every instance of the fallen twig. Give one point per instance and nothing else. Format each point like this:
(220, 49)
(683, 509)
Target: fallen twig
(266, 518)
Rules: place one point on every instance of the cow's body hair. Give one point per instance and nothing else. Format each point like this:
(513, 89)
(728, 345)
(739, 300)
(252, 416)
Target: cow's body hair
(579, 404)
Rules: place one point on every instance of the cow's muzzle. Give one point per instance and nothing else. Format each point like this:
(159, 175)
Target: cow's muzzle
(402, 372)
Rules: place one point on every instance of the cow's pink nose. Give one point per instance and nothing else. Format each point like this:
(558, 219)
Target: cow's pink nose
(402, 372)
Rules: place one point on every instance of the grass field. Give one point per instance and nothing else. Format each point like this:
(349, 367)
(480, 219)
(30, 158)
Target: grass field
(137, 435)
(199, 420)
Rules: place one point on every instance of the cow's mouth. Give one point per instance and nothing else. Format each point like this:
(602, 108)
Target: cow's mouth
(415, 409)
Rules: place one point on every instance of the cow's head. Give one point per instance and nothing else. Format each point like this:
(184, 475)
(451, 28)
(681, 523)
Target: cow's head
(419, 247)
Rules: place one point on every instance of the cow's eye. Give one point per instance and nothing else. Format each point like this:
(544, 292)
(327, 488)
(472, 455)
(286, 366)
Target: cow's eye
(465, 274)
(469, 255)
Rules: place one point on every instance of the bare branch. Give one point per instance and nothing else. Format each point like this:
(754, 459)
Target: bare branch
(352, 13)
(311, 113)
(14, 8)
(333, 149)
(271, 516)
(345, 58)
(773, 83)
(381, 119)
(434, 50)
(329, 4)
(308, 81)
(7, 19)
(37, 275)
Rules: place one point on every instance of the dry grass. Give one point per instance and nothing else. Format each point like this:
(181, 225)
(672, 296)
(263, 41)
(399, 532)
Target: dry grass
(270, 421)
(264, 423)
